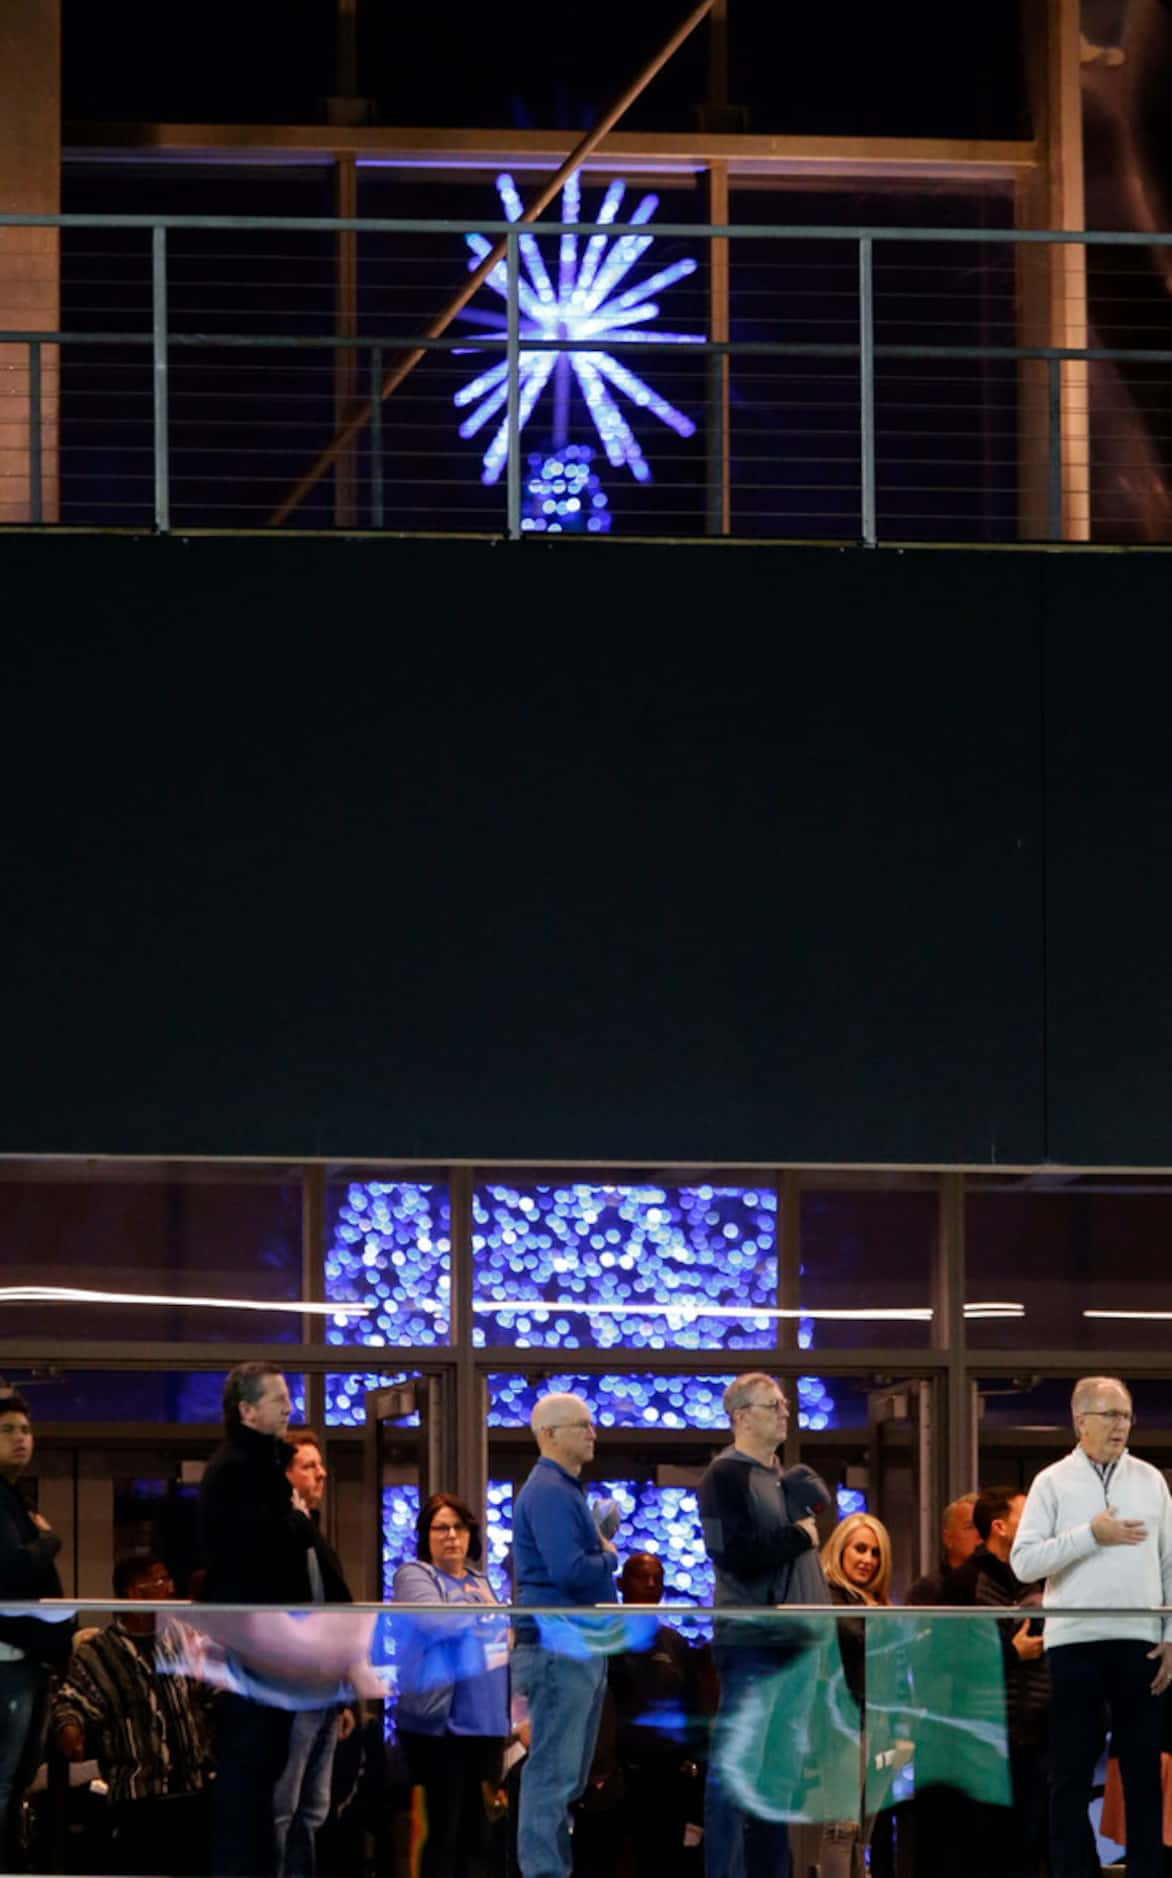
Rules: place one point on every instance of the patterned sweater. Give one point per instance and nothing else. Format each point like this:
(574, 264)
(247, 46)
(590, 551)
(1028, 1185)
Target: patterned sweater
(146, 1726)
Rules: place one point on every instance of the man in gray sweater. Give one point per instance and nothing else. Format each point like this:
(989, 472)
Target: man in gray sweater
(762, 1555)
(1097, 1527)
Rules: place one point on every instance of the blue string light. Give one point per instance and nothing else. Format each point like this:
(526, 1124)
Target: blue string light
(563, 496)
(585, 304)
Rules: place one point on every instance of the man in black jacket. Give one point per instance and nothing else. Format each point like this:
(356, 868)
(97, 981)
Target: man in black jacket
(29, 1648)
(1020, 1841)
(259, 1547)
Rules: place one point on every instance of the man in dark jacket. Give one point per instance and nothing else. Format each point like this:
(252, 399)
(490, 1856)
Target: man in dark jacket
(29, 1648)
(1019, 1840)
(958, 1540)
(259, 1546)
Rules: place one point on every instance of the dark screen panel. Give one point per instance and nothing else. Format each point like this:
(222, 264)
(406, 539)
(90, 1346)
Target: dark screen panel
(1109, 671)
(431, 848)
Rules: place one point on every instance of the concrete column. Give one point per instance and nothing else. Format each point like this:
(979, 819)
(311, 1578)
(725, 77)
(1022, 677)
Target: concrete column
(30, 184)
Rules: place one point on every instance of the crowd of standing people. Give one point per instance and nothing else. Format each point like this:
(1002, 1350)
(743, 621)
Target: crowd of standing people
(582, 1734)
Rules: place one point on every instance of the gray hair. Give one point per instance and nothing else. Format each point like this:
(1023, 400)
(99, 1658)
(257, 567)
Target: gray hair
(1088, 1386)
(246, 1383)
(955, 1507)
(739, 1390)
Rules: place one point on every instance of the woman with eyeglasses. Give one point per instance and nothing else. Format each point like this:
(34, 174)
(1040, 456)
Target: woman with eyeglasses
(453, 1714)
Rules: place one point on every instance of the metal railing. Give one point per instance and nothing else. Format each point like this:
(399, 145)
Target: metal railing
(880, 384)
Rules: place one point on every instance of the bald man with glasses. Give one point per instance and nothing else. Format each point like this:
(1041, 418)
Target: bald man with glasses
(1097, 1526)
(559, 1559)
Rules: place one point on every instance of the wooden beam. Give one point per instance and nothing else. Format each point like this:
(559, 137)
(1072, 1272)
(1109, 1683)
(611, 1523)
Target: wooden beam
(767, 157)
(30, 172)
(1054, 474)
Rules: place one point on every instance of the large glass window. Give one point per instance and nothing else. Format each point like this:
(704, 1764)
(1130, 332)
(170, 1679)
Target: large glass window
(193, 1232)
(149, 1396)
(866, 1265)
(1087, 1259)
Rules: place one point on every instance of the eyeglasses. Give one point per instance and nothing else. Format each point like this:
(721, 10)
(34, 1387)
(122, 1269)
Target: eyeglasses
(436, 1527)
(557, 1426)
(775, 1405)
(1111, 1415)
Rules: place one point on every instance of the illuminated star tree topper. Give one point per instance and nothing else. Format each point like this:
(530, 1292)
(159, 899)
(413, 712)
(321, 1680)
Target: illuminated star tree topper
(587, 302)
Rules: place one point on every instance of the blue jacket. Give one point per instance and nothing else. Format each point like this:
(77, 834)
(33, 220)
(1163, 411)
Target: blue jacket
(557, 1554)
(440, 1655)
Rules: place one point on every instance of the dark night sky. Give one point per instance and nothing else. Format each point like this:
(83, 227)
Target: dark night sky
(854, 69)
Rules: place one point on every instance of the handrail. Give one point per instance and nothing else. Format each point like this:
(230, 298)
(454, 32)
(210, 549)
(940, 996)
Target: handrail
(179, 1607)
(1030, 470)
(483, 225)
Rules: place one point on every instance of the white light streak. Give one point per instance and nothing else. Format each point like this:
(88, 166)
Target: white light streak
(1152, 1317)
(77, 1294)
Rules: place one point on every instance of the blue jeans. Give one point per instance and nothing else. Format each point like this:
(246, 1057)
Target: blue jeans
(565, 1704)
(23, 1690)
(301, 1797)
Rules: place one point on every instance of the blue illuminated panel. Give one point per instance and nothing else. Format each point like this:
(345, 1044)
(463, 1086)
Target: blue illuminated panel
(344, 1398)
(498, 1537)
(633, 1401)
(569, 1266)
(616, 1401)
(657, 1264)
(400, 1512)
(390, 1246)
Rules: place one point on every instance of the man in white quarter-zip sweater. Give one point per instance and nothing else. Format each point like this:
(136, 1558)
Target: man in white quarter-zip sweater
(1097, 1527)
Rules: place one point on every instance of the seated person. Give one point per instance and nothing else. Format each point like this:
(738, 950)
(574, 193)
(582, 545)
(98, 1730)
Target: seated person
(147, 1729)
(646, 1789)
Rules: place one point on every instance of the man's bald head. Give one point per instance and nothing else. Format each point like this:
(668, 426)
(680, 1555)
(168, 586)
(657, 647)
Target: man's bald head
(564, 1431)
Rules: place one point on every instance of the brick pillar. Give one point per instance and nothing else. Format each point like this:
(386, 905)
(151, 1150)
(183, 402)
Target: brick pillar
(30, 184)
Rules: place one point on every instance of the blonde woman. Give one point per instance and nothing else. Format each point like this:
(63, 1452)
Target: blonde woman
(856, 1561)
